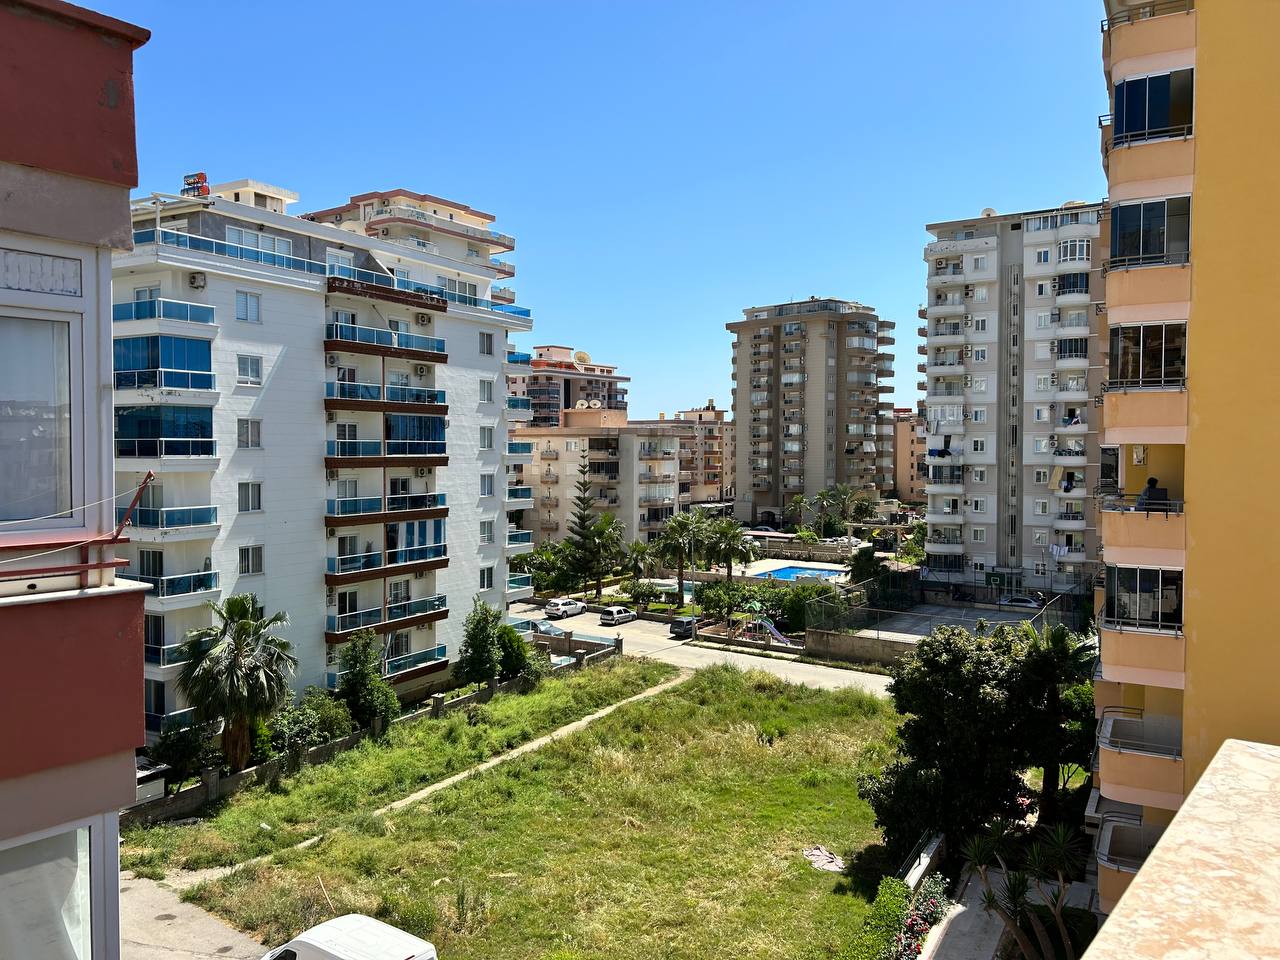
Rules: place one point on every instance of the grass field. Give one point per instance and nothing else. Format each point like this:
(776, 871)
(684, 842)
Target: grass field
(672, 828)
(414, 754)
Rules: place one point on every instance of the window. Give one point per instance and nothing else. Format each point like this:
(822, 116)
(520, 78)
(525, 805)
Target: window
(397, 591)
(979, 384)
(146, 293)
(980, 415)
(1040, 568)
(248, 307)
(1041, 414)
(979, 566)
(1042, 255)
(486, 391)
(486, 438)
(1146, 108)
(980, 324)
(1041, 475)
(980, 262)
(37, 370)
(1070, 251)
(1042, 288)
(979, 474)
(250, 496)
(248, 434)
(1148, 355)
(1040, 538)
(1044, 382)
(1154, 231)
(399, 487)
(53, 904)
(341, 259)
(979, 354)
(486, 531)
(486, 578)
(1150, 599)
(979, 445)
(979, 504)
(486, 484)
(1042, 350)
(1041, 508)
(978, 535)
(256, 240)
(1040, 444)
(1042, 320)
(251, 559)
(486, 344)
(1071, 283)
(980, 295)
(248, 370)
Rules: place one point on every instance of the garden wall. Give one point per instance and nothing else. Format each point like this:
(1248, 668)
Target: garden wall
(855, 647)
(212, 786)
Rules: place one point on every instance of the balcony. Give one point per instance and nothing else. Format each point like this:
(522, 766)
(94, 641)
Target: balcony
(519, 539)
(177, 720)
(1140, 757)
(420, 610)
(519, 586)
(345, 394)
(1070, 457)
(548, 476)
(171, 523)
(548, 502)
(1070, 520)
(162, 309)
(518, 363)
(949, 367)
(164, 379)
(549, 453)
(1150, 534)
(346, 336)
(519, 408)
(168, 448)
(519, 497)
(395, 668)
(548, 523)
(1152, 410)
(655, 453)
(181, 590)
(1123, 846)
(170, 656)
(355, 451)
(656, 478)
(444, 224)
(951, 543)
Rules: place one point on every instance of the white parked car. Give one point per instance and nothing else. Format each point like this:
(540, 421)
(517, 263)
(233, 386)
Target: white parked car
(1026, 602)
(563, 607)
(354, 937)
(612, 616)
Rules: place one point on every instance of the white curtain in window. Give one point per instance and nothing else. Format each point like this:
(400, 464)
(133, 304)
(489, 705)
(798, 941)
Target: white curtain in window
(35, 418)
(44, 898)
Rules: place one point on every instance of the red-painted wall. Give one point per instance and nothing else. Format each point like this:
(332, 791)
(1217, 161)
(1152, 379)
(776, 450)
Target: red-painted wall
(70, 681)
(77, 115)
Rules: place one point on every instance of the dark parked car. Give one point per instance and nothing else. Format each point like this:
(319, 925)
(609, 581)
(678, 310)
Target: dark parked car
(682, 627)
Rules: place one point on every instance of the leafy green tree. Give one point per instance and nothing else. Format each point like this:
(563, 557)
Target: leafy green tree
(796, 508)
(797, 598)
(912, 547)
(720, 599)
(478, 654)
(514, 653)
(237, 669)
(805, 535)
(823, 503)
(187, 751)
(863, 565)
(549, 564)
(361, 685)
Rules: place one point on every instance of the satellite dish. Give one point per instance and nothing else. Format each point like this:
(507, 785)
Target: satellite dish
(582, 356)
(594, 404)
(580, 405)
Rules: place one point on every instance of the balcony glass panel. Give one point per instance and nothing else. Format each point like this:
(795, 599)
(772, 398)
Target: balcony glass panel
(425, 551)
(520, 493)
(384, 338)
(346, 390)
(347, 506)
(519, 403)
(519, 581)
(1144, 599)
(353, 448)
(415, 501)
(353, 562)
(517, 537)
(179, 719)
(162, 309)
(178, 585)
(520, 359)
(169, 517)
(400, 394)
(412, 608)
(1152, 355)
(518, 448)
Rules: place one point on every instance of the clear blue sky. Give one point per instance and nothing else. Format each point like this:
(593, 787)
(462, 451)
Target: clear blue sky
(661, 164)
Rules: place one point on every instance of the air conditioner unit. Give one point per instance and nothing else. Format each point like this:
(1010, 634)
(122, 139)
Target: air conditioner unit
(421, 472)
(940, 263)
(331, 416)
(331, 474)
(1053, 346)
(331, 532)
(419, 575)
(331, 597)
(422, 319)
(420, 369)
(1053, 439)
(1054, 315)
(1053, 377)
(967, 352)
(968, 381)
(330, 359)
(968, 321)
(386, 232)
(197, 280)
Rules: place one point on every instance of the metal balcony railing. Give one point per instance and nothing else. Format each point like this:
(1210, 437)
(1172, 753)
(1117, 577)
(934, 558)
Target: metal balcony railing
(1147, 11)
(1138, 503)
(1129, 730)
(160, 722)
(353, 333)
(168, 518)
(1164, 258)
(392, 666)
(1158, 381)
(179, 584)
(519, 581)
(166, 447)
(416, 501)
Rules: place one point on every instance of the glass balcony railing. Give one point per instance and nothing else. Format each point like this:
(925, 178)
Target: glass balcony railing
(519, 581)
(179, 719)
(340, 622)
(424, 551)
(172, 379)
(162, 309)
(520, 493)
(353, 562)
(353, 448)
(519, 359)
(416, 501)
(169, 517)
(519, 403)
(519, 448)
(348, 390)
(415, 448)
(169, 656)
(393, 666)
(413, 608)
(178, 585)
(516, 538)
(353, 333)
(166, 447)
(357, 619)
(399, 394)
(352, 506)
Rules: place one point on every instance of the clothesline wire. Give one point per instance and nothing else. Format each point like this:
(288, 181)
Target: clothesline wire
(100, 538)
(63, 513)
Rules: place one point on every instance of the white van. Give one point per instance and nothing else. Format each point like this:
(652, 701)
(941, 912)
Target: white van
(354, 937)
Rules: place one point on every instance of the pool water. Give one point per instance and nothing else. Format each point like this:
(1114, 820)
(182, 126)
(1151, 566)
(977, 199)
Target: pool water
(790, 573)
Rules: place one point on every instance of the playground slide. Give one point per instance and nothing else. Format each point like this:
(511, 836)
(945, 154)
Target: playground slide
(774, 635)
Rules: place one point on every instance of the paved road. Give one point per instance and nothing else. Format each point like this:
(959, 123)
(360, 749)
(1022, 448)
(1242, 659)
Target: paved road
(156, 925)
(644, 638)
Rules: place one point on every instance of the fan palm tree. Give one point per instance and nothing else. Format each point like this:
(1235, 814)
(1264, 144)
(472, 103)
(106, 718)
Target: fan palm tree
(728, 544)
(638, 559)
(797, 507)
(823, 503)
(608, 536)
(237, 669)
(679, 541)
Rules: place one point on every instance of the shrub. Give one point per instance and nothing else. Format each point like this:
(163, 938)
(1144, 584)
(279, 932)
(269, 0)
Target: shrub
(317, 718)
(361, 686)
(478, 655)
(796, 601)
(186, 751)
(514, 653)
(884, 920)
(333, 716)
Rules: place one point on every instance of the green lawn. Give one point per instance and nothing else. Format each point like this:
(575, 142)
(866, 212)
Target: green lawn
(672, 828)
(414, 754)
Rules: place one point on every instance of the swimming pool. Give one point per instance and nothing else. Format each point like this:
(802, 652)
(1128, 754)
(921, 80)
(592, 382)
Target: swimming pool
(790, 573)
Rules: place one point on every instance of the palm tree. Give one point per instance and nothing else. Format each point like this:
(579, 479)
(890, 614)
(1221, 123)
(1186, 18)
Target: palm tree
(638, 559)
(823, 502)
(237, 669)
(679, 541)
(728, 543)
(608, 535)
(1055, 659)
(797, 508)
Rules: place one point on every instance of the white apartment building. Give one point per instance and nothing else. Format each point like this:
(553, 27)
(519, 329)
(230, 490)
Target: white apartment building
(1012, 362)
(323, 401)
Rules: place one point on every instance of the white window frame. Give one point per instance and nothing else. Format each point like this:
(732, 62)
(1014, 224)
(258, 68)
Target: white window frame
(1042, 288)
(979, 474)
(487, 535)
(487, 484)
(1043, 255)
(252, 309)
(252, 486)
(979, 354)
(1040, 507)
(1044, 383)
(1040, 538)
(1041, 475)
(249, 431)
(978, 445)
(486, 577)
(980, 415)
(486, 438)
(247, 550)
(978, 534)
(978, 505)
(486, 390)
(1040, 568)
(980, 262)
(248, 380)
(486, 343)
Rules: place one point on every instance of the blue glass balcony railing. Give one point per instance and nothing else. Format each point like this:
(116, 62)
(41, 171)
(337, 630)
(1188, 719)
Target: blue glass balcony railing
(162, 309)
(345, 390)
(173, 379)
(519, 448)
(170, 517)
(350, 506)
(396, 665)
(519, 581)
(179, 585)
(178, 720)
(398, 394)
(424, 551)
(519, 403)
(516, 538)
(166, 447)
(412, 608)
(520, 493)
(415, 501)
(382, 338)
(353, 448)
(415, 448)
(519, 359)
(339, 622)
(169, 656)
(353, 562)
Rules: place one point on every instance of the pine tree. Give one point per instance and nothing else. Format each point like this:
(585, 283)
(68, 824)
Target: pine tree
(581, 540)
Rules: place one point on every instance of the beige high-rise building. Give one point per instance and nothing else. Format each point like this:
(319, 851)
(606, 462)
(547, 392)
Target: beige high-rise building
(703, 457)
(808, 410)
(909, 470)
(562, 378)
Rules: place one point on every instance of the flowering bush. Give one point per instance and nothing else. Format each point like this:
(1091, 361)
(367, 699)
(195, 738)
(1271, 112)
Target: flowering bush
(929, 906)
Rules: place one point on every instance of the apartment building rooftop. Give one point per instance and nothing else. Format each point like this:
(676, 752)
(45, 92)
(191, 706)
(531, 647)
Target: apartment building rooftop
(990, 213)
